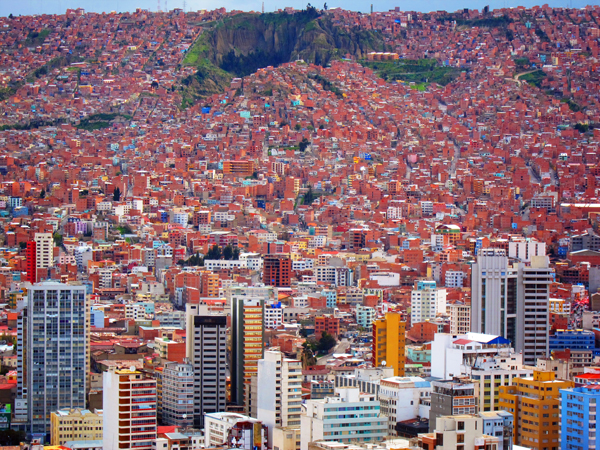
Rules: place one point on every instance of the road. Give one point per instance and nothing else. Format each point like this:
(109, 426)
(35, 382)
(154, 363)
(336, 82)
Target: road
(341, 347)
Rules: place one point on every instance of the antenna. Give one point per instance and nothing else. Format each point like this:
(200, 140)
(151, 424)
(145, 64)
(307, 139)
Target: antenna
(157, 5)
(184, 5)
(263, 7)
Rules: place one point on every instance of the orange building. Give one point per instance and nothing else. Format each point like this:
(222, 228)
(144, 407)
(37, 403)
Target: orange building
(389, 342)
(535, 404)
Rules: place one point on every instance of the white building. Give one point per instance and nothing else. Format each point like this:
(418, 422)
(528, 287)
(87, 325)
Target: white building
(245, 292)
(525, 249)
(427, 301)
(254, 261)
(348, 417)
(486, 359)
(44, 250)
(385, 279)
(338, 276)
(273, 315)
(135, 311)
(404, 398)
(303, 264)
(217, 426)
(279, 381)
(454, 279)
(217, 264)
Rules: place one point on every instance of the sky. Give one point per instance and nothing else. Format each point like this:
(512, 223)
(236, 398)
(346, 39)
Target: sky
(28, 7)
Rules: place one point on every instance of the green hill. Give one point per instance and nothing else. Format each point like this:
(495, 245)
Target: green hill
(239, 45)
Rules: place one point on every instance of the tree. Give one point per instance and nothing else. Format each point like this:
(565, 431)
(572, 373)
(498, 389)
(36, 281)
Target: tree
(308, 357)
(11, 437)
(236, 253)
(117, 194)
(228, 252)
(58, 239)
(23, 245)
(43, 193)
(304, 143)
(309, 197)
(298, 127)
(213, 253)
(326, 343)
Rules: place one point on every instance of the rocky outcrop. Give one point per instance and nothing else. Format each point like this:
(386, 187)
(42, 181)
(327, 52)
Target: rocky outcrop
(242, 44)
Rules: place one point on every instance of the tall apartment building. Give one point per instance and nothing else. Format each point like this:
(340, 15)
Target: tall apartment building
(534, 403)
(451, 398)
(206, 350)
(44, 250)
(53, 347)
(129, 402)
(460, 318)
(31, 261)
(75, 425)
(247, 345)
(426, 301)
(280, 399)
(389, 342)
(578, 416)
(511, 300)
(350, 416)
(178, 396)
(277, 270)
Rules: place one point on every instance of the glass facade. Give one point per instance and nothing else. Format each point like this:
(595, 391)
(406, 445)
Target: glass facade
(56, 362)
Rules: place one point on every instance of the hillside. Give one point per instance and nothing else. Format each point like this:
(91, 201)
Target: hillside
(239, 45)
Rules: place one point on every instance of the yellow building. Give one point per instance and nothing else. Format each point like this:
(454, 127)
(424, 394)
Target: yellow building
(534, 403)
(75, 425)
(389, 342)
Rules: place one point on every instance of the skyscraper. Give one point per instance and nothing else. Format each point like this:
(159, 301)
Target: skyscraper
(247, 344)
(55, 364)
(129, 402)
(511, 300)
(279, 406)
(206, 341)
(389, 342)
(178, 394)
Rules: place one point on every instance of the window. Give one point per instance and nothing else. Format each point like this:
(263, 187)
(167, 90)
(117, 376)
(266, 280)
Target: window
(460, 425)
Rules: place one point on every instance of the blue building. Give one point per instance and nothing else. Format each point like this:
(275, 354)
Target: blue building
(578, 418)
(572, 339)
